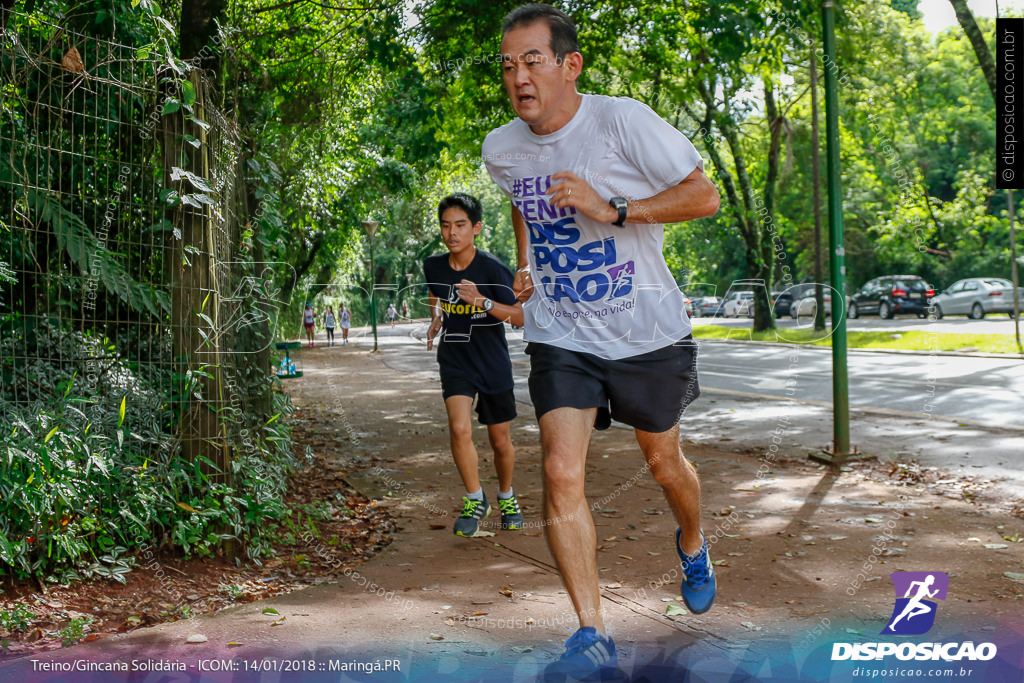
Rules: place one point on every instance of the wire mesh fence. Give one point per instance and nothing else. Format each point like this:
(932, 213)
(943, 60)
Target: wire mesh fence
(129, 304)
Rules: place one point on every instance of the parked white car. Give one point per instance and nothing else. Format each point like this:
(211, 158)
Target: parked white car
(737, 304)
(975, 297)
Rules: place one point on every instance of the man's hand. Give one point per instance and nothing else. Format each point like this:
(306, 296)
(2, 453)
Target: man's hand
(522, 285)
(571, 190)
(469, 293)
(435, 327)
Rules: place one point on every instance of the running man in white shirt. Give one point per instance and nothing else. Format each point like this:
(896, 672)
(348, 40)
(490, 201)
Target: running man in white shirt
(592, 180)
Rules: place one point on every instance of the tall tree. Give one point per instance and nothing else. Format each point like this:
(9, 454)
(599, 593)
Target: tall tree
(981, 50)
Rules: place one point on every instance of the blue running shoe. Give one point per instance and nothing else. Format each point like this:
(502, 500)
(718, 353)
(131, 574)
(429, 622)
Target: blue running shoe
(468, 523)
(698, 588)
(588, 655)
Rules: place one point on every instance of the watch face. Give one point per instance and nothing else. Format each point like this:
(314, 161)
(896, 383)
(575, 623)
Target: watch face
(488, 304)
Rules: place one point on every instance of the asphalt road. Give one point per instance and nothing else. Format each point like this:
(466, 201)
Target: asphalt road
(962, 414)
(980, 390)
(987, 390)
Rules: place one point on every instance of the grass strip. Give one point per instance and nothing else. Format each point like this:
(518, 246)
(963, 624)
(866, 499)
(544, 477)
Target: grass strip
(913, 340)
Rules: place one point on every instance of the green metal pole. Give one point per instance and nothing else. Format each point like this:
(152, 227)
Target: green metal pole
(373, 296)
(837, 257)
(1013, 273)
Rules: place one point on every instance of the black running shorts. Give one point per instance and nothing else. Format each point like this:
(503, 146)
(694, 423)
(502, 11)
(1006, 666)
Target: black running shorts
(491, 409)
(648, 392)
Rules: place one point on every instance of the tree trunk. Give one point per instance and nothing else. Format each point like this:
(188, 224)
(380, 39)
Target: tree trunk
(984, 55)
(197, 32)
(262, 403)
(764, 319)
(194, 293)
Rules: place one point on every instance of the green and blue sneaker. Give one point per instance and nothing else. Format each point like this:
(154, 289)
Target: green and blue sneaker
(468, 523)
(511, 515)
(699, 586)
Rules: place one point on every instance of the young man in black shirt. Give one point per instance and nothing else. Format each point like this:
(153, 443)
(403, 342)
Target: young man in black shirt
(470, 300)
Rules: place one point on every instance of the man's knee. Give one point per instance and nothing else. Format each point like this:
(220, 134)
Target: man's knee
(460, 430)
(562, 476)
(668, 466)
(500, 442)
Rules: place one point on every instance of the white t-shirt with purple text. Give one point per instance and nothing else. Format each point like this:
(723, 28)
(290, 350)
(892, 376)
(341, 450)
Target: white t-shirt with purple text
(599, 288)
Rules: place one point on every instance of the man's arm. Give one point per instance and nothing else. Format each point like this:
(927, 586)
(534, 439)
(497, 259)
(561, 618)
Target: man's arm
(694, 197)
(435, 321)
(506, 313)
(522, 284)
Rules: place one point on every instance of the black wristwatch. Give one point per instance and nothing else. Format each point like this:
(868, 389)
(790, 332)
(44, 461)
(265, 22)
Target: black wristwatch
(488, 304)
(619, 204)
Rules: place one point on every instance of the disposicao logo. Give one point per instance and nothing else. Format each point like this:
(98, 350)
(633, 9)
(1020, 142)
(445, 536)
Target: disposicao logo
(913, 615)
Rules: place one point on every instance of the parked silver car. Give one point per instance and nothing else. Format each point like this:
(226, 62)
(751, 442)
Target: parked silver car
(807, 306)
(975, 297)
(737, 304)
(707, 306)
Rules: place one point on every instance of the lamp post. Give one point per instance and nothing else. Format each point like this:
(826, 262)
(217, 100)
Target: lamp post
(406, 307)
(371, 229)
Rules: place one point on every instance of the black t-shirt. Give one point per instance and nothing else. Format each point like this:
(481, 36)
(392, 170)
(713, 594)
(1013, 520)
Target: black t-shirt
(472, 341)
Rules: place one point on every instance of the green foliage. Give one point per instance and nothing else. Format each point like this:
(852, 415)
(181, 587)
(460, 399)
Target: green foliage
(913, 340)
(18, 618)
(74, 631)
(76, 499)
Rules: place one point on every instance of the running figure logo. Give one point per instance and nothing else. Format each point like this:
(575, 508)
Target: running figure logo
(914, 613)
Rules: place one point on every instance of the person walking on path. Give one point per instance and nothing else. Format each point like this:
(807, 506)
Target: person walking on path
(345, 320)
(309, 321)
(392, 314)
(329, 325)
(471, 298)
(592, 180)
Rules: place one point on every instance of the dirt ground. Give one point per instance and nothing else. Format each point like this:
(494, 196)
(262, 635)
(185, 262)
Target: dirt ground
(802, 551)
(172, 588)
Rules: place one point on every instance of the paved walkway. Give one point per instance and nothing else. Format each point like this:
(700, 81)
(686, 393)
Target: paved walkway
(793, 544)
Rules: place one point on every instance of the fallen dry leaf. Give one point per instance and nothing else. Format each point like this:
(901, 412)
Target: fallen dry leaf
(72, 61)
(672, 609)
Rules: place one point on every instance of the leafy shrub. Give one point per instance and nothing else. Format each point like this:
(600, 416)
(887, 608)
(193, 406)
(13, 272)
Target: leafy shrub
(16, 619)
(91, 476)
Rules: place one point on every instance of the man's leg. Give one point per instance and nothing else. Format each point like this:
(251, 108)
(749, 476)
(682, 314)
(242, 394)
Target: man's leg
(504, 453)
(678, 481)
(504, 463)
(460, 430)
(565, 438)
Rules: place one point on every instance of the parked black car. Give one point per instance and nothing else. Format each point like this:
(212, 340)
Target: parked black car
(892, 294)
(783, 301)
